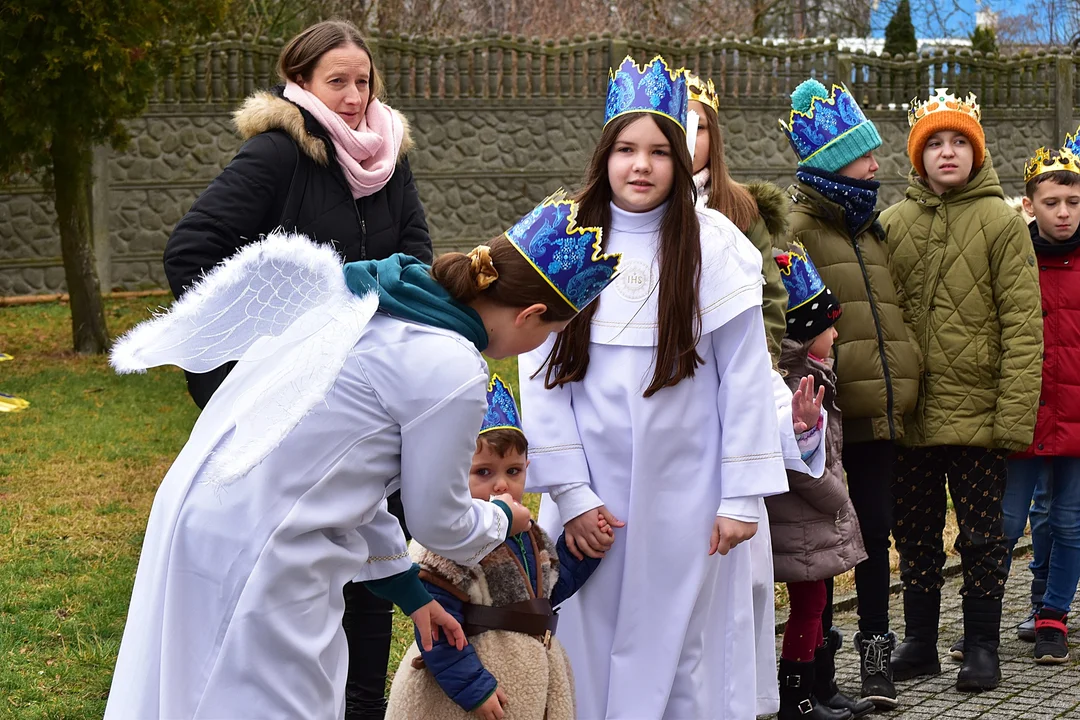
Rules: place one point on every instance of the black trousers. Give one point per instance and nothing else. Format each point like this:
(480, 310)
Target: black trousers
(976, 482)
(369, 626)
(869, 468)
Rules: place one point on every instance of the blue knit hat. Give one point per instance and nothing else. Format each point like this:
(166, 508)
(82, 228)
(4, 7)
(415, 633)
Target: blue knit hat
(828, 129)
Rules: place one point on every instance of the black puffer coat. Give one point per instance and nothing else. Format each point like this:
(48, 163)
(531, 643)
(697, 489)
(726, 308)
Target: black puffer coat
(286, 175)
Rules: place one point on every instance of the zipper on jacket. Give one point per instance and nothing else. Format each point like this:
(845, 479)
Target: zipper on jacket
(363, 229)
(880, 340)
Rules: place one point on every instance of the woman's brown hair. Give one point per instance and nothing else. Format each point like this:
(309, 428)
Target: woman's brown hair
(302, 54)
(518, 284)
(680, 266)
(725, 195)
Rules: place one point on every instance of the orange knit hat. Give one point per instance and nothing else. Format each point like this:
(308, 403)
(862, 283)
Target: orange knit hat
(945, 111)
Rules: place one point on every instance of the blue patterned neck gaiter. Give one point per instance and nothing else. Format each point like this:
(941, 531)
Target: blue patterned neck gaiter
(858, 198)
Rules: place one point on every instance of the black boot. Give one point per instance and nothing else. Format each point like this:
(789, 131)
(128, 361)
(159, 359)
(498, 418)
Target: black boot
(982, 630)
(917, 655)
(825, 688)
(875, 654)
(797, 701)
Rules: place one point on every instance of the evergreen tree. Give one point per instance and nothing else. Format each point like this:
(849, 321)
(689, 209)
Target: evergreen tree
(900, 32)
(984, 39)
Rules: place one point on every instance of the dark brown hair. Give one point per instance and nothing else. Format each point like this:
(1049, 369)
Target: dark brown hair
(302, 54)
(679, 258)
(518, 285)
(501, 442)
(726, 195)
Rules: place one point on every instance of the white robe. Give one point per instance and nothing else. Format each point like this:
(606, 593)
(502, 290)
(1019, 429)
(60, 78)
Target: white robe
(644, 634)
(237, 605)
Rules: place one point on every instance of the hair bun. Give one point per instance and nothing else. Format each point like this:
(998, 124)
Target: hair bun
(483, 269)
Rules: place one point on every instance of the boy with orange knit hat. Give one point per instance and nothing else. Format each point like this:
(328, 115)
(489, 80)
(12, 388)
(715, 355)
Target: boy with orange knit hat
(965, 262)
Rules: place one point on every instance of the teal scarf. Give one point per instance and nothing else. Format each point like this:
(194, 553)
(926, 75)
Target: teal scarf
(407, 291)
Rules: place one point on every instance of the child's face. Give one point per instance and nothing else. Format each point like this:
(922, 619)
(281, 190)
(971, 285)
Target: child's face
(641, 168)
(822, 345)
(494, 475)
(947, 157)
(701, 147)
(863, 168)
(1056, 209)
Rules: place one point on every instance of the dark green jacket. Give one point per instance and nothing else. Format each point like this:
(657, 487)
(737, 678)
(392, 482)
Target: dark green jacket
(971, 291)
(770, 231)
(877, 360)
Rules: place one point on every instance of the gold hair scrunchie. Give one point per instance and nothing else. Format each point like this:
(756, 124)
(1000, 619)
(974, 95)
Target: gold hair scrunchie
(482, 268)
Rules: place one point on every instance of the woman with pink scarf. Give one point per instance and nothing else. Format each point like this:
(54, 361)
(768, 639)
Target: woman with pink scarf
(322, 156)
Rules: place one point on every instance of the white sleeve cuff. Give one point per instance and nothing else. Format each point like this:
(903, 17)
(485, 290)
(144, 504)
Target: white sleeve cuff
(743, 509)
(573, 500)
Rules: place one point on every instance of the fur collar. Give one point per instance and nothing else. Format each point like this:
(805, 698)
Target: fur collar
(268, 110)
(773, 204)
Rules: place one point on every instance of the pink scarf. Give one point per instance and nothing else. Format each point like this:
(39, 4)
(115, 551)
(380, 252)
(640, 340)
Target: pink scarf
(368, 154)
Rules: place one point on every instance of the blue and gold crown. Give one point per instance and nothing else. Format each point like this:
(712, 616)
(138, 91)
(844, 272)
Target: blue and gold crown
(812, 308)
(1072, 144)
(654, 88)
(502, 412)
(826, 128)
(569, 257)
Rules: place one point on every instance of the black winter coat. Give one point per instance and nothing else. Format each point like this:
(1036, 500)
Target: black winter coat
(286, 175)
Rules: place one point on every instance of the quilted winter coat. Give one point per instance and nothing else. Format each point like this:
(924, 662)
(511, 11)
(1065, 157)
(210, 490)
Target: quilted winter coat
(877, 361)
(965, 263)
(1057, 429)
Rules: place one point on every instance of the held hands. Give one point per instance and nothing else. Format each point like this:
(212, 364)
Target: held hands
(430, 618)
(806, 405)
(728, 533)
(492, 709)
(522, 516)
(591, 534)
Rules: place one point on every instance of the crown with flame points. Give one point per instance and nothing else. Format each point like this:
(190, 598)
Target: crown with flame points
(1071, 144)
(653, 88)
(941, 100)
(1048, 161)
(702, 91)
(502, 412)
(570, 258)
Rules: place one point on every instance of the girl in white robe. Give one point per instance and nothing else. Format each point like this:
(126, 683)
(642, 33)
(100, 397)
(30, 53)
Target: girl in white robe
(279, 497)
(655, 413)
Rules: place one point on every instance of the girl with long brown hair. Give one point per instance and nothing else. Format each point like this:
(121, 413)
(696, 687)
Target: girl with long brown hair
(654, 406)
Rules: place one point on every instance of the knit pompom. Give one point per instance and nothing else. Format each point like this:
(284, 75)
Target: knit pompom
(806, 92)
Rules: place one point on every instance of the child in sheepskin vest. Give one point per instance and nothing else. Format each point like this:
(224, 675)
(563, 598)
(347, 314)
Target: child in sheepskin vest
(513, 667)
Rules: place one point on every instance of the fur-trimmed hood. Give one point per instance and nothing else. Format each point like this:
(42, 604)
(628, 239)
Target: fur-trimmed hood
(268, 110)
(773, 204)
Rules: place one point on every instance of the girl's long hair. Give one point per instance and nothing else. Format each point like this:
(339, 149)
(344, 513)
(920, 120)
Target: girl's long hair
(680, 266)
(725, 195)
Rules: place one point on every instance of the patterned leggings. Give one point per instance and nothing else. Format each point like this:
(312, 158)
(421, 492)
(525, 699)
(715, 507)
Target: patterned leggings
(976, 481)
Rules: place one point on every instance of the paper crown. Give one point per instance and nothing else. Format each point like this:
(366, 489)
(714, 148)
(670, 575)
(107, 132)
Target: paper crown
(653, 88)
(1048, 161)
(941, 100)
(812, 308)
(1071, 144)
(703, 91)
(822, 120)
(502, 412)
(569, 257)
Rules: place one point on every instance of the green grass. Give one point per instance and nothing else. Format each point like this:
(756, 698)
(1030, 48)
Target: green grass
(78, 472)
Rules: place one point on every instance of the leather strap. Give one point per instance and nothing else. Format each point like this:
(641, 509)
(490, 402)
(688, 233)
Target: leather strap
(531, 617)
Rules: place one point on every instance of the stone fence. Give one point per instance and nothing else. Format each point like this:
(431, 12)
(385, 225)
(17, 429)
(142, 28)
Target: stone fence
(500, 121)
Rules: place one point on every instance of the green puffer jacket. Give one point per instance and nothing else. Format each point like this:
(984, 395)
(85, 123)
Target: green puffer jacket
(971, 291)
(769, 231)
(877, 360)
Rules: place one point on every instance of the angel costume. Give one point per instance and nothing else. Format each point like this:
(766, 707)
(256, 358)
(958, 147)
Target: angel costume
(279, 496)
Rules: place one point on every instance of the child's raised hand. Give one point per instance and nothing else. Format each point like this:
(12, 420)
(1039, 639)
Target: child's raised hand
(430, 618)
(585, 536)
(522, 516)
(806, 405)
(727, 533)
(492, 708)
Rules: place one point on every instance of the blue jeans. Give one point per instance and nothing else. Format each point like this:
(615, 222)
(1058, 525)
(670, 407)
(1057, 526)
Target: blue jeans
(1054, 484)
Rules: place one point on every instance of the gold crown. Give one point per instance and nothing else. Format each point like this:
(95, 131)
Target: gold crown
(1047, 161)
(943, 100)
(701, 90)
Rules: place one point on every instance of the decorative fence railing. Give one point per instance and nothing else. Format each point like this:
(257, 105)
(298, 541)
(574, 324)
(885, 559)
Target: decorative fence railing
(226, 69)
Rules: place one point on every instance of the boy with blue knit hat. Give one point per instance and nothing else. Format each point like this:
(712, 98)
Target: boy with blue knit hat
(834, 216)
